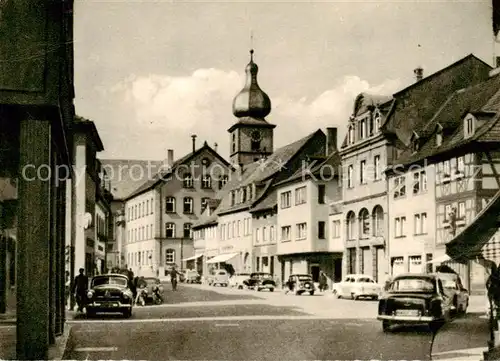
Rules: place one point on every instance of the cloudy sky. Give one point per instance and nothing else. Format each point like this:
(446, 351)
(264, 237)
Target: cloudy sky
(150, 74)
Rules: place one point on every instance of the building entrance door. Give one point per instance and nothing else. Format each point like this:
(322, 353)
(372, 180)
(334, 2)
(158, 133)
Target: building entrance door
(337, 273)
(315, 272)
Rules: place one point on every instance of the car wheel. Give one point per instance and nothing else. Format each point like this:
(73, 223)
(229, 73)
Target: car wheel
(127, 313)
(240, 287)
(353, 297)
(259, 289)
(311, 293)
(336, 294)
(271, 290)
(91, 314)
(434, 326)
(386, 325)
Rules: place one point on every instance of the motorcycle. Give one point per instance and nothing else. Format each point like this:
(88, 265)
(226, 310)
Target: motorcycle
(142, 296)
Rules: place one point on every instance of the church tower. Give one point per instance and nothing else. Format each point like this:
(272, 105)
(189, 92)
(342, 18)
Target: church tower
(251, 137)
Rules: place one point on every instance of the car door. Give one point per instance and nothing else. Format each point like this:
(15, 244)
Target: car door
(462, 293)
(345, 287)
(447, 300)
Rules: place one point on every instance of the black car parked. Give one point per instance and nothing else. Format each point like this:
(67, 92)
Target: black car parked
(260, 281)
(109, 293)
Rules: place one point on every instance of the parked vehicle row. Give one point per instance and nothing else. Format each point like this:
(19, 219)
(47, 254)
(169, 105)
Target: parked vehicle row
(430, 299)
(356, 286)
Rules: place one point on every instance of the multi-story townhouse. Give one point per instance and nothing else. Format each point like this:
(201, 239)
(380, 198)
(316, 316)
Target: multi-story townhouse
(204, 238)
(124, 176)
(103, 221)
(304, 199)
(86, 145)
(264, 235)
(377, 134)
(466, 177)
(365, 152)
(161, 212)
(336, 231)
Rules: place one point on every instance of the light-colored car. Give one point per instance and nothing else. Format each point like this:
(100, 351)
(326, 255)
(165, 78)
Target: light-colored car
(453, 287)
(237, 280)
(219, 278)
(356, 286)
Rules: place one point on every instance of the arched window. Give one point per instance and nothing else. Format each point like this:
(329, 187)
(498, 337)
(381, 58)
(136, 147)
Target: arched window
(170, 230)
(188, 205)
(351, 226)
(169, 256)
(222, 181)
(204, 203)
(206, 182)
(378, 221)
(188, 181)
(364, 223)
(170, 204)
(187, 230)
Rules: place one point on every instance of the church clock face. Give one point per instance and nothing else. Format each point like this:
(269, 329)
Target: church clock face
(256, 136)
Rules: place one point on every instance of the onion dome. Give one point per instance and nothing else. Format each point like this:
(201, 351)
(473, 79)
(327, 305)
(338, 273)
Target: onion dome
(251, 101)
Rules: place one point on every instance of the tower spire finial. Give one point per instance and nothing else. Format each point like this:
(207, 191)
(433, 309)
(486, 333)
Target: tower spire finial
(251, 45)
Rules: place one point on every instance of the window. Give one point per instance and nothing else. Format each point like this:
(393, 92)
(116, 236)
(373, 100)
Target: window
(350, 175)
(362, 172)
(336, 229)
(233, 198)
(206, 182)
(152, 206)
(447, 211)
(461, 210)
(264, 234)
(301, 230)
(286, 234)
(238, 229)
(169, 256)
(257, 235)
(461, 165)
(321, 230)
(223, 181)
(170, 230)
(147, 207)
(204, 203)
(187, 230)
(188, 181)
(351, 226)
(378, 121)
(271, 234)
(420, 223)
(170, 205)
(362, 129)
(286, 199)
(446, 169)
(399, 187)
(351, 134)
(469, 126)
(399, 226)
(376, 167)
(300, 195)
(243, 195)
(234, 143)
(419, 182)
(140, 210)
(321, 193)
(188, 205)
(364, 223)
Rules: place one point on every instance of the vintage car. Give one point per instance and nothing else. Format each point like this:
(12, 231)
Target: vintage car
(153, 284)
(238, 280)
(259, 281)
(109, 293)
(414, 299)
(300, 283)
(356, 286)
(218, 277)
(453, 287)
(192, 276)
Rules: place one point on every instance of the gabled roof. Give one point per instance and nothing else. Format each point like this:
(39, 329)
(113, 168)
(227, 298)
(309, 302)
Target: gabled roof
(163, 174)
(366, 101)
(261, 172)
(483, 98)
(417, 103)
(126, 175)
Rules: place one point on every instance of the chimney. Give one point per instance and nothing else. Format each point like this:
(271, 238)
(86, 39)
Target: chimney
(331, 140)
(419, 73)
(215, 147)
(194, 142)
(170, 157)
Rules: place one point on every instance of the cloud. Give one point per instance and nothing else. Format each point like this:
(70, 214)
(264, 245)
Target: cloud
(201, 103)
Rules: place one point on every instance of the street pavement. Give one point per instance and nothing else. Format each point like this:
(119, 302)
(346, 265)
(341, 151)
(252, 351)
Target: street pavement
(203, 322)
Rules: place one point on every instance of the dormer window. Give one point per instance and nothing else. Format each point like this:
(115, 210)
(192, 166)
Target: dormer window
(250, 195)
(362, 129)
(377, 122)
(469, 126)
(351, 134)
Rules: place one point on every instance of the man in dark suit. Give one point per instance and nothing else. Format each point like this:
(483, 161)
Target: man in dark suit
(80, 288)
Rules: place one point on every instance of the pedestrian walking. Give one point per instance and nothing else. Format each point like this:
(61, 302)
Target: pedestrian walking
(387, 281)
(80, 288)
(173, 278)
(323, 282)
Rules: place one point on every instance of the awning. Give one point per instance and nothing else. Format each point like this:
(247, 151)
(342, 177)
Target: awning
(468, 244)
(192, 258)
(222, 258)
(441, 259)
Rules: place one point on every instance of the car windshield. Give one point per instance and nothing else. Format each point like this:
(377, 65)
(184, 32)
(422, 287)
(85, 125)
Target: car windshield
(365, 280)
(110, 280)
(412, 285)
(304, 278)
(242, 275)
(448, 280)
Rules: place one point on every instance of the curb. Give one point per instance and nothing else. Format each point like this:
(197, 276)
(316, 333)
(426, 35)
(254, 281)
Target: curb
(56, 352)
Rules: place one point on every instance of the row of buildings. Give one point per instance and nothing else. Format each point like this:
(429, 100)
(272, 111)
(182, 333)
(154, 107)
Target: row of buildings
(404, 183)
